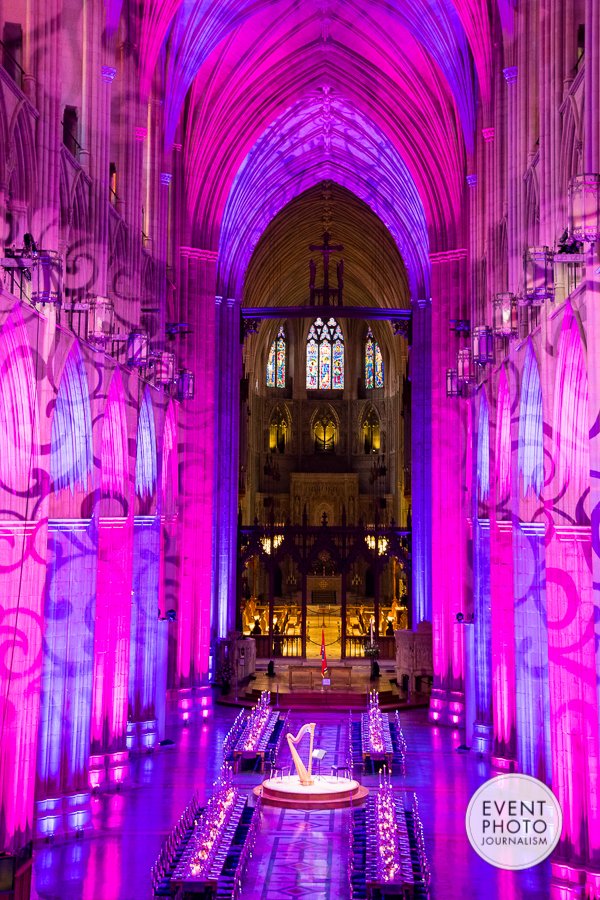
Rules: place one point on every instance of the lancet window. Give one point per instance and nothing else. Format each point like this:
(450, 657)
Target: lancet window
(276, 362)
(373, 363)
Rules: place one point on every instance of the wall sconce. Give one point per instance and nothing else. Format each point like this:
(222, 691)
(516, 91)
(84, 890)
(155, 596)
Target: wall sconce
(452, 383)
(164, 367)
(138, 349)
(506, 318)
(185, 385)
(483, 345)
(538, 265)
(584, 208)
(100, 321)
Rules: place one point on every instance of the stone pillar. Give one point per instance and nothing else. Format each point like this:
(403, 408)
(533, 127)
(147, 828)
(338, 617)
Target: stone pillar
(197, 307)
(420, 371)
(449, 517)
(62, 789)
(226, 466)
(531, 651)
(503, 645)
(142, 726)
(482, 728)
(46, 214)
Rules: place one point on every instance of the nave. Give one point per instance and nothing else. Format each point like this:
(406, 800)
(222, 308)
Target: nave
(297, 853)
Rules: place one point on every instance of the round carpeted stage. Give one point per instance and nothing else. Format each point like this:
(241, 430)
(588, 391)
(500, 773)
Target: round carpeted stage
(326, 792)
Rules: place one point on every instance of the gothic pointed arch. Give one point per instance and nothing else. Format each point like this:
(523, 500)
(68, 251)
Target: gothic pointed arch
(571, 417)
(279, 429)
(325, 429)
(71, 445)
(145, 461)
(531, 439)
(114, 479)
(370, 430)
(483, 450)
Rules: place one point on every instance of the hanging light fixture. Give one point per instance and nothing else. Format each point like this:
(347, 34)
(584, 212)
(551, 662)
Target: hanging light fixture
(452, 383)
(164, 367)
(505, 318)
(138, 349)
(47, 276)
(185, 385)
(483, 345)
(100, 320)
(538, 264)
(464, 367)
(584, 208)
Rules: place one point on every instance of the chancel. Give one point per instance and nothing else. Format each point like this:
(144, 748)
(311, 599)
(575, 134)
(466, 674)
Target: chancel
(299, 412)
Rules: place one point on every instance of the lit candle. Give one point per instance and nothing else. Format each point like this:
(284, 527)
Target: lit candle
(372, 621)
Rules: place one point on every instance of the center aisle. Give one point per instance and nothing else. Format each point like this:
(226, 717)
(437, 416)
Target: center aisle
(302, 853)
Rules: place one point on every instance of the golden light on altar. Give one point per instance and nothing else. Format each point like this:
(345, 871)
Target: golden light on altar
(380, 544)
(270, 544)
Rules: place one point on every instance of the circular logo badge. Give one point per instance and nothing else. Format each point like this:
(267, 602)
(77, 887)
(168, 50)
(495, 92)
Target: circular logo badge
(514, 821)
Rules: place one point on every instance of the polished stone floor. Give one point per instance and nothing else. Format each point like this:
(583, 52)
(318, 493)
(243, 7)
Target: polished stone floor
(298, 854)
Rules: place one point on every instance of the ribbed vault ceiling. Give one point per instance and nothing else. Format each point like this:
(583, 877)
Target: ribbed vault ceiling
(374, 273)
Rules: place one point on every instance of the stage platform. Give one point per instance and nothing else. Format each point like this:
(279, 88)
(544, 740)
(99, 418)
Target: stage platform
(304, 689)
(327, 792)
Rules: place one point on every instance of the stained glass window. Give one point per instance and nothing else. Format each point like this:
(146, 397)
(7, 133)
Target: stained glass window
(276, 361)
(373, 363)
(325, 356)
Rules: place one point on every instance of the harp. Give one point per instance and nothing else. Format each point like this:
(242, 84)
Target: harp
(304, 775)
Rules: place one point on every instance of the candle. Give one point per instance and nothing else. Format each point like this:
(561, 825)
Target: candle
(372, 621)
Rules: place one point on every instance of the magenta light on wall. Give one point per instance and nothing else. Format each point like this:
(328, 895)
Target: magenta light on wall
(531, 440)
(114, 440)
(71, 450)
(483, 450)
(145, 463)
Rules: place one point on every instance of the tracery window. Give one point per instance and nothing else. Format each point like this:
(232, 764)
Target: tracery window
(373, 363)
(277, 361)
(325, 356)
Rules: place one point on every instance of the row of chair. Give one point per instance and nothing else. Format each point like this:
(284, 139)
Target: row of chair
(233, 735)
(362, 863)
(399, 744)
(230, 883)
(173, 848)
(274, 745)
(417, 841)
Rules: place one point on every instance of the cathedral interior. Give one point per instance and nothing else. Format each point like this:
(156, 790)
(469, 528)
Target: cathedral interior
(298, 424)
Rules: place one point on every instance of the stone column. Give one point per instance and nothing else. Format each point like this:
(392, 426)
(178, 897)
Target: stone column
(197, 439)
(226, 466)
(592, 304)
(46, 56)
(420, 369)
(482, 728)
(448, 527)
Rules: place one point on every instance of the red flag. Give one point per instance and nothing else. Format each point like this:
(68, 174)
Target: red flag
(323, 655)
